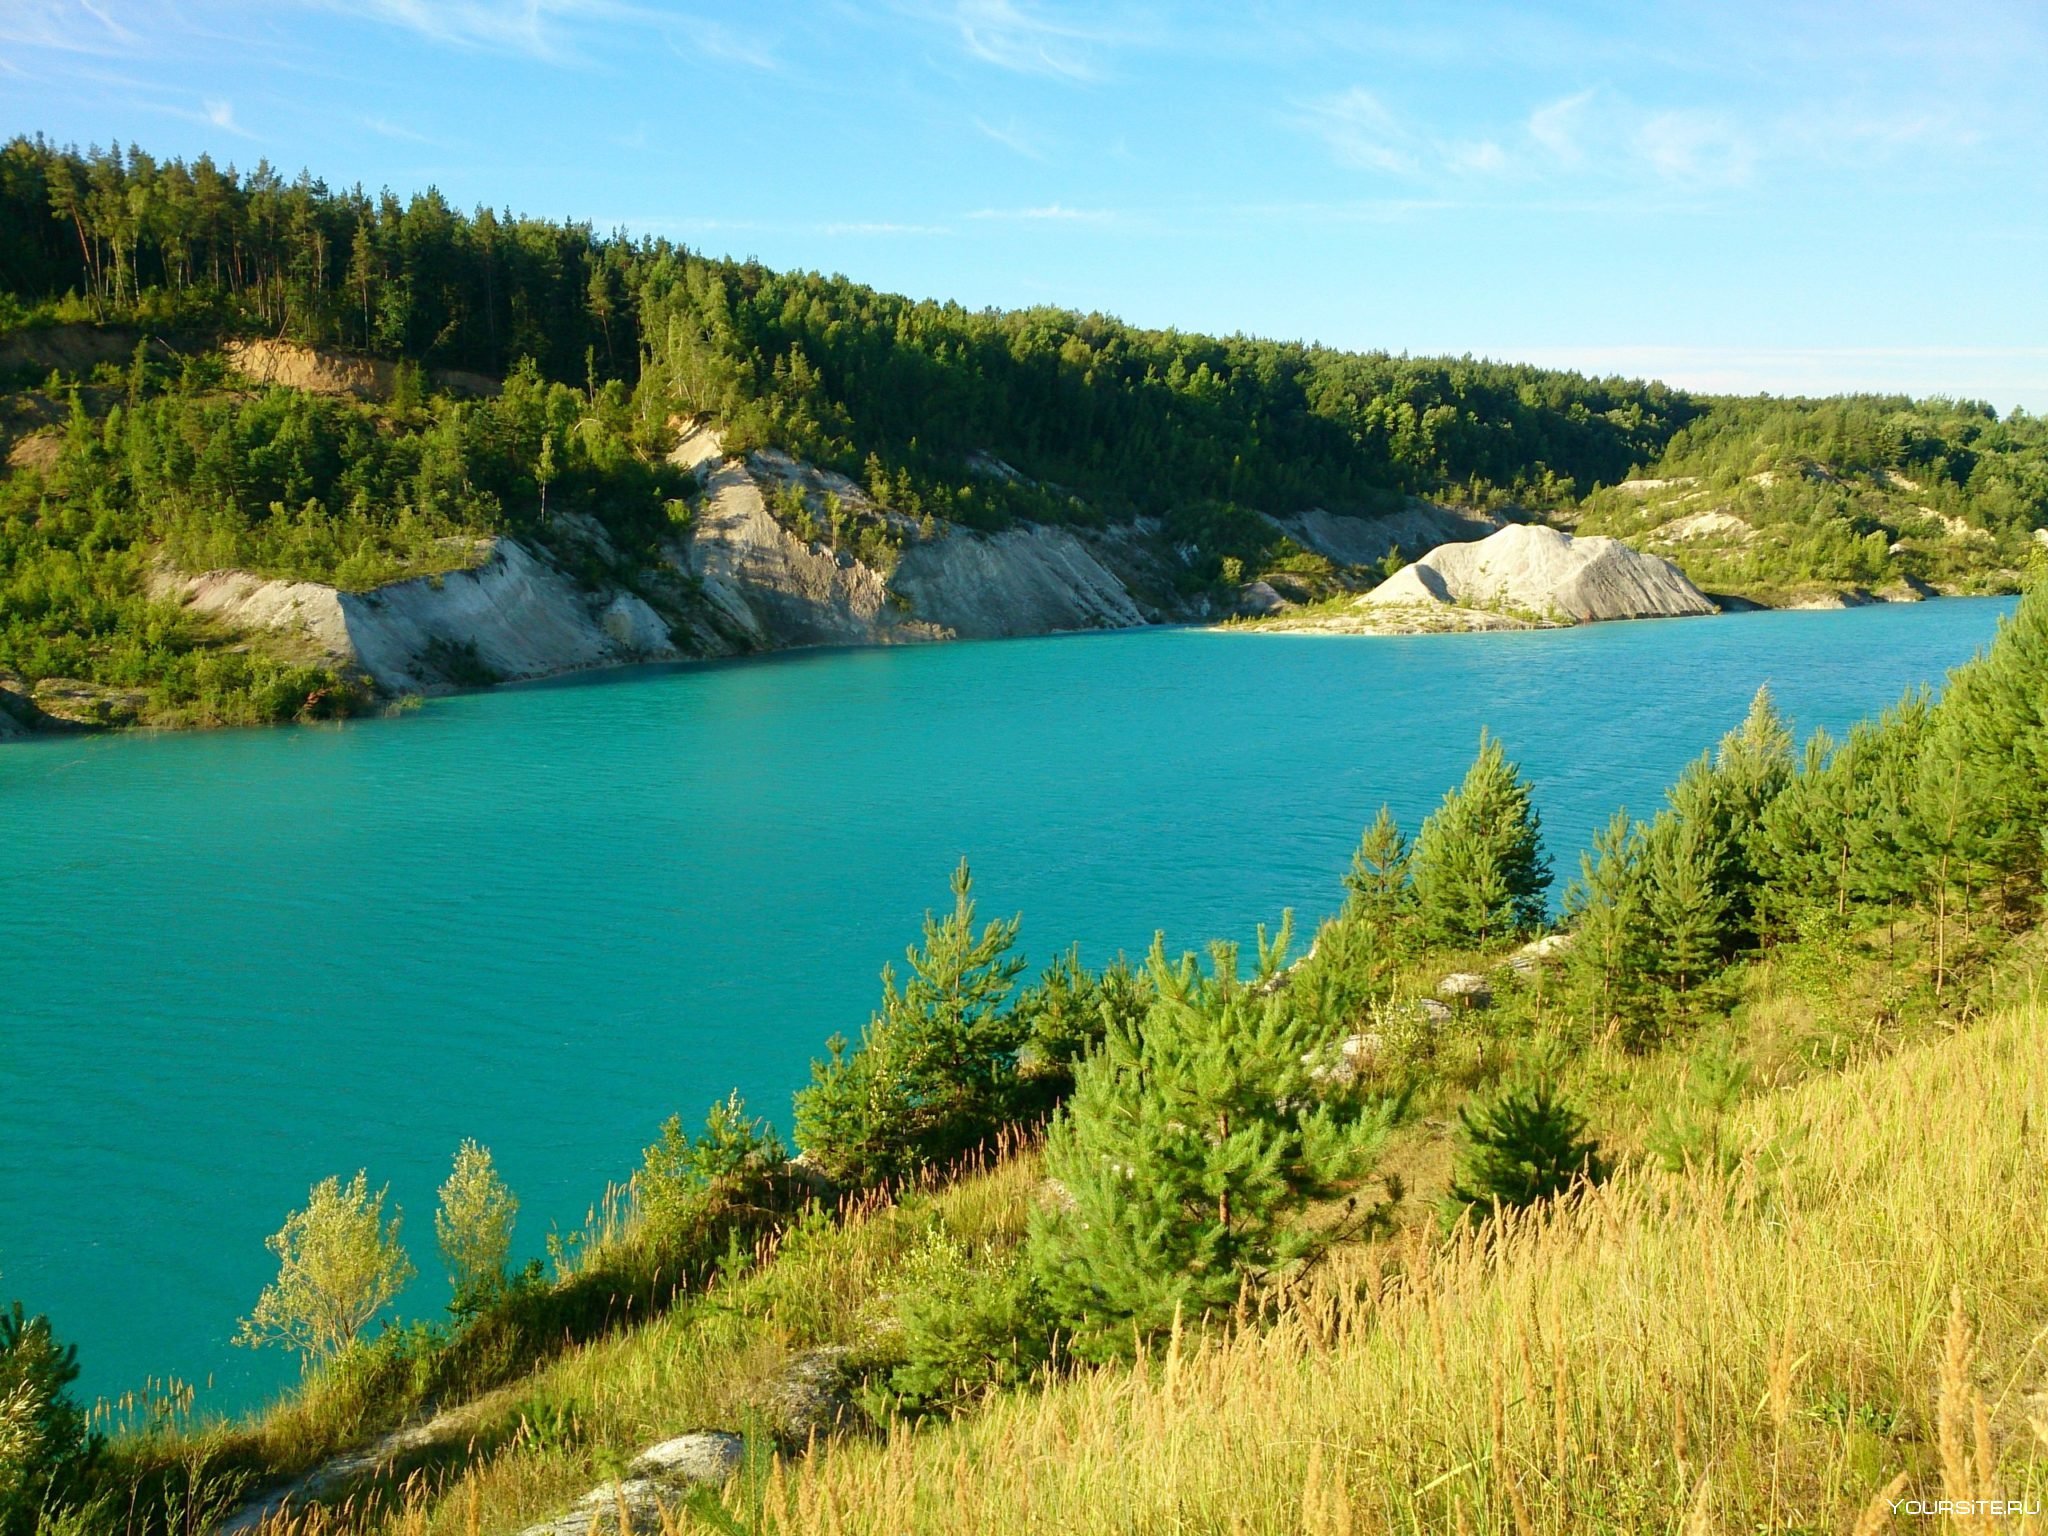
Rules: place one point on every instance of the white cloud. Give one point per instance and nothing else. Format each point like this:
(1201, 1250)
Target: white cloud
(1555, 126)
(1698, 148)
(714, 40)
(883, 227)
(539, 29)
(384, 128)
(1028, 38)
(69, 26)
(1013, 139)
(1485, 158)
(1051, 212)
(1361, 132)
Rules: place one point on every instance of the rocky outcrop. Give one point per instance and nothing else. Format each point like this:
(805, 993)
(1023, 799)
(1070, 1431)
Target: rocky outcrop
(1519, 577)
(327, 371)
(1537, 953)
(511, 615)
(1417, 527)
(74, 349)
(1544, 576)
(334, 1477)
(780, 589)
(61, 702)
(1029, 580)
(777, 589)
(654, 1492)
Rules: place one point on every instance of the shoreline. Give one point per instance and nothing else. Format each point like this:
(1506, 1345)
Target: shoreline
(597, 672)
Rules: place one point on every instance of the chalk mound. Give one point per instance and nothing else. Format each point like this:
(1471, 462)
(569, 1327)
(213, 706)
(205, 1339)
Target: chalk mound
(1546, 575)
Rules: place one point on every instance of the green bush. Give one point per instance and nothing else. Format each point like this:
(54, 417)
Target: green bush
(339, 1264)
(1188, 1153)
(935, 1072)
(1518, 1145)
(474, 1228)
(966, 1331)
(1066, 1014)
(43, 1441)
(682, 1178)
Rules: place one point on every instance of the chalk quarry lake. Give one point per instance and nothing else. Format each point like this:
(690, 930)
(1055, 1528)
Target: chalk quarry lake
(550, 916)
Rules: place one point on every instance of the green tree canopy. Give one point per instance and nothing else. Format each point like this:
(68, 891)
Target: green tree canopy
(935, 1066)
(1188, 1151)
(1478, 865)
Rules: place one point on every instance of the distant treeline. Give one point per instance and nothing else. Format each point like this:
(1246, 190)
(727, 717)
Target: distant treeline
(1131, 420)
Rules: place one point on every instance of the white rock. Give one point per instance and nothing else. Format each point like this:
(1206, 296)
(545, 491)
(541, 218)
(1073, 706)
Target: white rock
(635, 626)
(521, 616)
(710, 1456)
(1536, 570)
(1469, 985)
(1259, 597)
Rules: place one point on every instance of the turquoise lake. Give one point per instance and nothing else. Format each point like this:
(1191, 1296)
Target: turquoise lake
(550, 916)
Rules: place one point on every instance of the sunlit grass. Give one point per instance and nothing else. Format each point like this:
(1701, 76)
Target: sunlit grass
(1762, 1350)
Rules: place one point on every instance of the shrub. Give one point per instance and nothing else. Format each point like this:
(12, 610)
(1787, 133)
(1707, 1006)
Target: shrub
(339, 1265)
(1521, 1144)
(966, 1332)
(1063, 1016)
(474, 1227)
(43, 1443)
(679, 1175)
(1187, 1154)
(936, 1066)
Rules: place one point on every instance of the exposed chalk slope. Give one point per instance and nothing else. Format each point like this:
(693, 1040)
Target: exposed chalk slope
(1417, 527)
(511, 616)
(783, 590)
(1531, 570)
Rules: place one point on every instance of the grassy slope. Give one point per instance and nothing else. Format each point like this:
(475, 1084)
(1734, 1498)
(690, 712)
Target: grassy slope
(1806, 533)
(1767, 1349)
(1771, 1333)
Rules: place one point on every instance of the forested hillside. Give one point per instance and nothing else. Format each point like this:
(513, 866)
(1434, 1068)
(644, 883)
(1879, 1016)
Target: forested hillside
(835, 371)
(146, 448)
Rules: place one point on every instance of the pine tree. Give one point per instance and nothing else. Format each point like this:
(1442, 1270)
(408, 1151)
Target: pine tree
(1688, 908)
(1521, 1144)
(1186, 1155)
(1803, 851)
(44, 1440)
(936, 1065)
(1751, 769)
(1380, 895)
(1607, 909)
(1478, 867)
(1960, 847)
(1357, 952)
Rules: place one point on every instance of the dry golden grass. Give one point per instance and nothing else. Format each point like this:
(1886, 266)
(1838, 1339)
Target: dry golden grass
(1768, 1351)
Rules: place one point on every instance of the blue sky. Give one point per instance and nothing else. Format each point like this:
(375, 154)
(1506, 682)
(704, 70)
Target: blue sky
(1747, 196)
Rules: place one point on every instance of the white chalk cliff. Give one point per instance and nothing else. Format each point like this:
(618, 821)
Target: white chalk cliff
(1537, 573)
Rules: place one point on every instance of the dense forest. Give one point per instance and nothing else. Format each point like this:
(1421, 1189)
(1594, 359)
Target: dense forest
(948, 416)
(835, 371)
